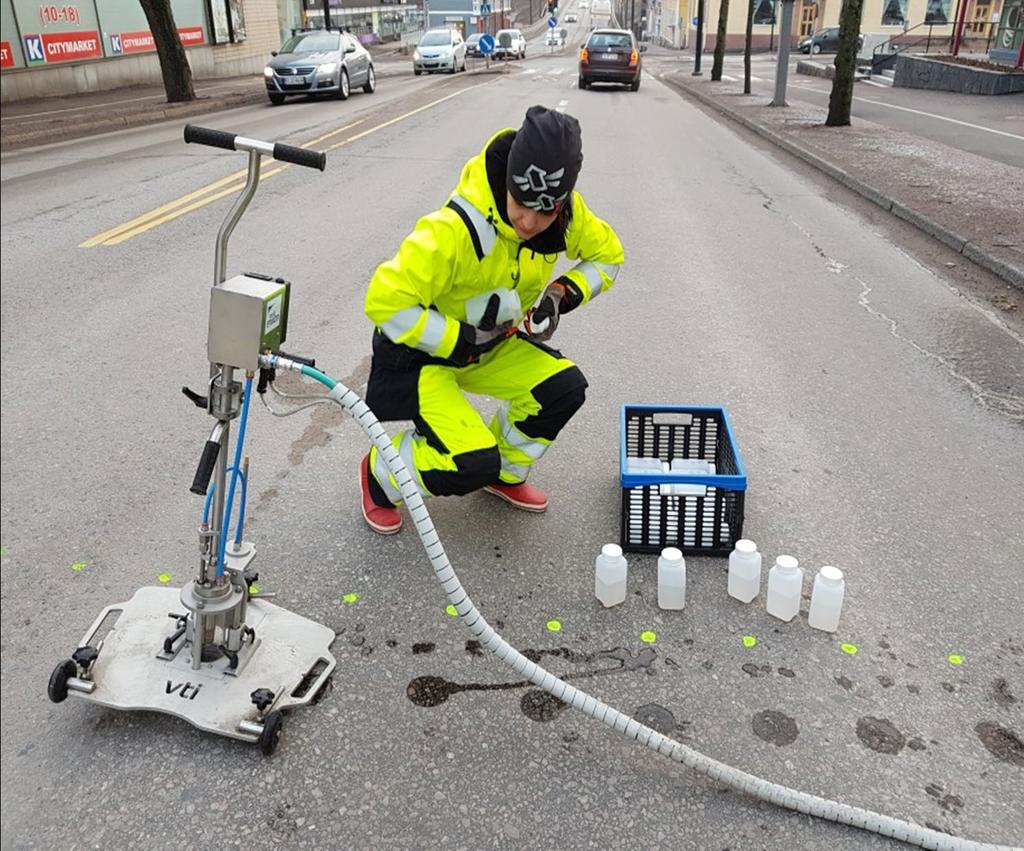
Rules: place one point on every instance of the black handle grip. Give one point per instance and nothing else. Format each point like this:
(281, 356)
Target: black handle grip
(201, 483)
(300, 156)
(206, 136)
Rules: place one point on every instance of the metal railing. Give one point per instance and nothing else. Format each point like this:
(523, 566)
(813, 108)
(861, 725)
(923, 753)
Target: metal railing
(977, 37)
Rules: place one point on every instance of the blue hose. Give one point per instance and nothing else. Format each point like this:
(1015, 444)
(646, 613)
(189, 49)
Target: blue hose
(209, 500)
(237, 468)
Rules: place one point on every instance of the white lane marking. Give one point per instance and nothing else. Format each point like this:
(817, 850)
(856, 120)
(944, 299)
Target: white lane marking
(557, 72)
(927, 115)
(528, 71)
(876, 85)
(728, 78)
(756, 79)
(562, 104)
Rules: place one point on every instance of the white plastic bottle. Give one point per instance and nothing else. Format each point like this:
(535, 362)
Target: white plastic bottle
(671, 579)
(827, 599)
(744, 571)
(610, 569)
(785, 582)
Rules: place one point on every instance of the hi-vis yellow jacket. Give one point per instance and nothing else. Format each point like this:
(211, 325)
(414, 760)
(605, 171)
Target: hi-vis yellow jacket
(457, 257)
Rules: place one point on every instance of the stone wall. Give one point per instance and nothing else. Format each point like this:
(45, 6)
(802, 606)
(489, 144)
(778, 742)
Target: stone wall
(914, 72)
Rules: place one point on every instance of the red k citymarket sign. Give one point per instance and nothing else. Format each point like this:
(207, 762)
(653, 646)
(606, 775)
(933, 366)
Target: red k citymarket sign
(143, 42)
(62, 47)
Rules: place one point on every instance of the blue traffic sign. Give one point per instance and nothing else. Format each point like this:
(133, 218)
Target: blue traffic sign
(696, 21)
(552, 22)
(485, 8)
(486, 44)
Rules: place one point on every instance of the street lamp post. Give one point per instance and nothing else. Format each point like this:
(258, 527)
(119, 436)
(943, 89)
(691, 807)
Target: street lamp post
(699, 47)
(782, 65)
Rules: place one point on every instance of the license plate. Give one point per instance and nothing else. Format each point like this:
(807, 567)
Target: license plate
(294, 81)
(608, 57)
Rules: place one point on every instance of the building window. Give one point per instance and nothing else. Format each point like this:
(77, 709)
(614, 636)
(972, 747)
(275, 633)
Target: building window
(894, 13)
(764, 12)
(937, 12)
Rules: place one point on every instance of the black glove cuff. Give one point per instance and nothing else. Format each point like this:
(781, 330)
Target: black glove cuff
(573, 297)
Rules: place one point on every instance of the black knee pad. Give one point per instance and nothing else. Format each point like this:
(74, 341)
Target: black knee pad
(559, 397)
(475, 469)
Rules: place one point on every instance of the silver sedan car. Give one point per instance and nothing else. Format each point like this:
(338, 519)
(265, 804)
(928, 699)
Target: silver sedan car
(319, 62)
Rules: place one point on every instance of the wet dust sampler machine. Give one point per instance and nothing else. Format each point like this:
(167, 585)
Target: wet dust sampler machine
(215, 652)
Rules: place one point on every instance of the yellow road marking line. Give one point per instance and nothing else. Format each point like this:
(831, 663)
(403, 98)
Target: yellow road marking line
(185, 199)
(187, 203)
(181, 211)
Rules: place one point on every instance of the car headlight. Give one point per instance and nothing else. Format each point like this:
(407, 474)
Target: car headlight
(416, 56)
(268, 72)
(327, 69)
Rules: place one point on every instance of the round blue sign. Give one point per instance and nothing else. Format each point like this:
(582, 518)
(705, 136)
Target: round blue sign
(486, 44)
(552, 22)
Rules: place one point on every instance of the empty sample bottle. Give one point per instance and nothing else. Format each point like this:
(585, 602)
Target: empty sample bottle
(785, 582)
(744, 571)
(827, 599)
(610, 569)
(671, 579)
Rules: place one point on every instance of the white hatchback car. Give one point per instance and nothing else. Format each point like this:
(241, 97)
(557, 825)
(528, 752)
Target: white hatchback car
(509, 44)
(439, 50)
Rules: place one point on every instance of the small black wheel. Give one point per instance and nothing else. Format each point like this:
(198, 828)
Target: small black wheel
(370, 86)
(275, 98)
(271, 732)
(57, 690)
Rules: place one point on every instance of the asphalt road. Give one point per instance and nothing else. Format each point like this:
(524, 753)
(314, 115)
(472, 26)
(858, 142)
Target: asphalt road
(989, 126)
(877, 405)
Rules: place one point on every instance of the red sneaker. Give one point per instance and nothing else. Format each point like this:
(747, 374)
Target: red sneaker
(522, 496)
(384, 521)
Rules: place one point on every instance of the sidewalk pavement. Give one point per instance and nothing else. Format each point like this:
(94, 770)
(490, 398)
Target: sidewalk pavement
(970, 203)
(40, 121)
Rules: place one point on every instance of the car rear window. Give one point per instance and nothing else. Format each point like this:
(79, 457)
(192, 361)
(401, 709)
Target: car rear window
(612, 40)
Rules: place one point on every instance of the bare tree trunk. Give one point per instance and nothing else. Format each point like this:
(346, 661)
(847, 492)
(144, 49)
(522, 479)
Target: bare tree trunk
(723, 20)
(841, 99)
(746, 47)
(173, 63)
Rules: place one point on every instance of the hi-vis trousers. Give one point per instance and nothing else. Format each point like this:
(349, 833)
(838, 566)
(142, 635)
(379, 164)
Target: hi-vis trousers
(452, 451)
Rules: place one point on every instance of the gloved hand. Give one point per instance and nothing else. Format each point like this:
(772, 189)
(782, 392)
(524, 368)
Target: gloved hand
(542, 320)
(476, 340)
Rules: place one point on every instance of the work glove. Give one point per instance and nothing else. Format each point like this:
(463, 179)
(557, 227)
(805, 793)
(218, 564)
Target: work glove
(542, 319)
(476, 340)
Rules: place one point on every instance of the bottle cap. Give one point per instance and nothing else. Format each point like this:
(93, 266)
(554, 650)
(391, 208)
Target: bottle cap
(672, 554)
(611, 550)
(831, 574)
(745, 546)
(787, 562)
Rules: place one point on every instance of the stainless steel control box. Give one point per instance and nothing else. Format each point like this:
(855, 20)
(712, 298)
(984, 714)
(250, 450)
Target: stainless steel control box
(248, 315)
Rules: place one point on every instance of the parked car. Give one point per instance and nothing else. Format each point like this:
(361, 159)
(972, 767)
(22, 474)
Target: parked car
(473, 44)
(439, 50)
(321, 62)
(509, 44)
(611, 56)
(555, 38)
(825, 41)
(571, 18)
(584, 4)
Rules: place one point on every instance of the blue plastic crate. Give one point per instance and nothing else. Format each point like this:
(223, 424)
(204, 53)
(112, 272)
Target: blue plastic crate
(700, 511)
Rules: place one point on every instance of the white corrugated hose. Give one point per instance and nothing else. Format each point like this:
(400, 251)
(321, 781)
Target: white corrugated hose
(474, 621)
